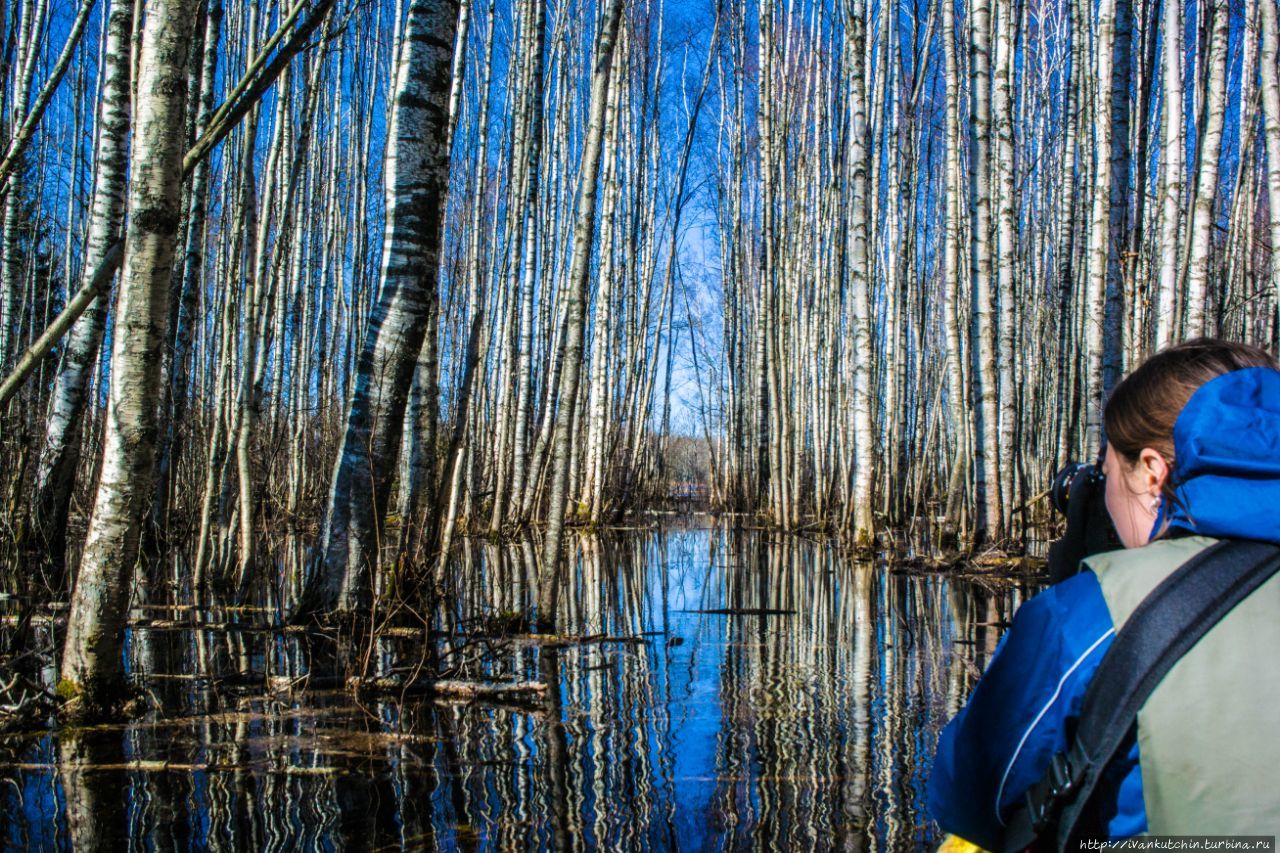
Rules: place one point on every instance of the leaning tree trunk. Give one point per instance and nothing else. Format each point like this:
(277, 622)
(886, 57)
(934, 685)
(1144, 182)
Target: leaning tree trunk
(24, 132)
(26, 44)
(92, 657)
(417, 179)
(418, 449)
(579, 272)
(60, 455)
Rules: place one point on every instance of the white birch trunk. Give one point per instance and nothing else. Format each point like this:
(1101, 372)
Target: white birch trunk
(1006, 252)
(952, 237)
(417, 180)
(521, 489)
(1171, 181)
(1208, 151)
(60, 453)
(987, 448)
(92, 662)
(1100, 222)
(859, 283)
(579, 271)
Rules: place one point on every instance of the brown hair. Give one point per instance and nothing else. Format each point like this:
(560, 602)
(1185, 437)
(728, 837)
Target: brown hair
(1142, 409)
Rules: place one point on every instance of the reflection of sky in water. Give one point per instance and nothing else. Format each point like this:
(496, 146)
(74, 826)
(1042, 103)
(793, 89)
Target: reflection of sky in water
(811, 729)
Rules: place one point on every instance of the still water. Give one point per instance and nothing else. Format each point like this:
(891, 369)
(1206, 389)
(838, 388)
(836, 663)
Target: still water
(737, 690)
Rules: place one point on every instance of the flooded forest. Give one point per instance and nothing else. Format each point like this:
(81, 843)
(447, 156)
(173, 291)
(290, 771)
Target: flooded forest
(570, 424)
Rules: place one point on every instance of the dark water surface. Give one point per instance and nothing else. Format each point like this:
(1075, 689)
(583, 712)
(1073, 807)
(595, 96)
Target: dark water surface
(806, 723)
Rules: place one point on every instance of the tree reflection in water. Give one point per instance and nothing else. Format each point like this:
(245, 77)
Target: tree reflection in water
(807, 722)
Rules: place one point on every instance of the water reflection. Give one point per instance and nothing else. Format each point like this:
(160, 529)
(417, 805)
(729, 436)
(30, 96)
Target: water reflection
(738, 691)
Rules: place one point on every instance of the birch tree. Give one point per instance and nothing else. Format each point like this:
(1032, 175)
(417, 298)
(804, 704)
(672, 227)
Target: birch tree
(417, 179)
(952, 241)
(1099, 219)
(899, 252)
(92, 657)
(1270, 81)
(859, 157)
(986, 453)
(1171, 180)
(1200, 238)
(575, 310)
(60, 453)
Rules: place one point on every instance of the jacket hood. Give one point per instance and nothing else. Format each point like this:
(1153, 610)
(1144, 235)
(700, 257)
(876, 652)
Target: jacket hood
(1226, 472)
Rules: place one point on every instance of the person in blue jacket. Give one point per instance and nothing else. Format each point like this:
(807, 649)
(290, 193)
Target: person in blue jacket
(1193, 453)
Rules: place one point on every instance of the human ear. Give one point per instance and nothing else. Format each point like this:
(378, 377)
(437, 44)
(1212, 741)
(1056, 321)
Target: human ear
(1154, 471)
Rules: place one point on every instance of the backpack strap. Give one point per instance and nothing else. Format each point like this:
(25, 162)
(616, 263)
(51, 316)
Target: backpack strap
(1163, 628)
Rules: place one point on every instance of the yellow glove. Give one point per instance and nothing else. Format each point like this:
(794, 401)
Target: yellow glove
(956, 844)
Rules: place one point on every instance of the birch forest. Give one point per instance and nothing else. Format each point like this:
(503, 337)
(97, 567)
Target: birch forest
(298, 298)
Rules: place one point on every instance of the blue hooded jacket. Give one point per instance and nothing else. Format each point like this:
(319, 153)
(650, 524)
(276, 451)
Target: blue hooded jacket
(1226, 479)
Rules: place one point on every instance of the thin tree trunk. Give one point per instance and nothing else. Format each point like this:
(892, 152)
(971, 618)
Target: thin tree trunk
(189, 275)
(1206, 192)
(1269, 71)
(952, 278)
(476, 300)
(521, 487)
(1171, 186)
(859, 284)
(1006, 260)
(987, 449)
(579, 271)
(60, 453)
(1100, 222)
(1118, 288)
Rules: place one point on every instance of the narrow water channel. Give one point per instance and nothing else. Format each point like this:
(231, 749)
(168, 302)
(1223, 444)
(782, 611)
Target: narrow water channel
(737, 690)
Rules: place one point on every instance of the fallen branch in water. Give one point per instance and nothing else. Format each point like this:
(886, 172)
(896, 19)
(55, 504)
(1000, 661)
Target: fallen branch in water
(169, 766)
(567, 639)
(744, 611)
(491, 691)
(148, 624)
(186, 608)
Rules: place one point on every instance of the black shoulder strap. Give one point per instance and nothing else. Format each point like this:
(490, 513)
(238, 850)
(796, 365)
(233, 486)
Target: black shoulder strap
(1164, 627)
